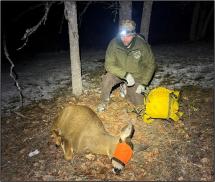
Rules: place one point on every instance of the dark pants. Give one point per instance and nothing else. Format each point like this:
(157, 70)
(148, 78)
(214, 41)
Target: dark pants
(109, 81)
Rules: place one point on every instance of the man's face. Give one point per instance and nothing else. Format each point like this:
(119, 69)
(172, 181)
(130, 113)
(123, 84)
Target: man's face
(126, 39)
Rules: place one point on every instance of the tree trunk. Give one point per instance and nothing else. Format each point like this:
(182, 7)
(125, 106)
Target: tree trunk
(145, 21)
(195, 17)
(71, 15)
(206, 22)
(201, 23)
(125, 11)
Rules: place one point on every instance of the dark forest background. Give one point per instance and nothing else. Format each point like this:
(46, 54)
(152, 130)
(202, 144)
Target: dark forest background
(170, 22)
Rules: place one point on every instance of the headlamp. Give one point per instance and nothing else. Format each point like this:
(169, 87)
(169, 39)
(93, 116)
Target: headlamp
(126, 32)
(123, 33)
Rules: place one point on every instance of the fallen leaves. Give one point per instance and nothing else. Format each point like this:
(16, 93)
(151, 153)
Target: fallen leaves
(168, 144)
(152, 155)
(204, 160)
(90, 157)
(48, 178)
(180, 178)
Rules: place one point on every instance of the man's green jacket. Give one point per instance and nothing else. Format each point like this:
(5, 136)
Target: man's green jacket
(138, 60)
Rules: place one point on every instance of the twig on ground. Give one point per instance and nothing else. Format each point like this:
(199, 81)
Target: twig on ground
(21, 115)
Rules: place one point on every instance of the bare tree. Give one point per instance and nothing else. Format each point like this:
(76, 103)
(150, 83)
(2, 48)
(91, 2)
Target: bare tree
(145, 21)
(200, 20)
(204, 19)
(113, 6)
(83, 12)
(125, 10)
(25, 38)
(71, 16)
(206, 22)
(202, 15)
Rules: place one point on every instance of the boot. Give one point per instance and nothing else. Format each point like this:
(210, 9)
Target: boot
(123, 90)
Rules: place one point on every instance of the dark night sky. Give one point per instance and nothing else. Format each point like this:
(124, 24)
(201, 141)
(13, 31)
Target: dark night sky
(170, 22)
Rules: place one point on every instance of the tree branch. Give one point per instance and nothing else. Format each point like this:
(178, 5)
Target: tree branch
(26, 11)
(31, 30)
(12, 71)
(115, 11)
(114, 6)
(84, 10)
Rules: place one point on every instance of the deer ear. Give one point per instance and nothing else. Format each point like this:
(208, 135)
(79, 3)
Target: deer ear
(127, 132)
(57, 132)
(56, 135)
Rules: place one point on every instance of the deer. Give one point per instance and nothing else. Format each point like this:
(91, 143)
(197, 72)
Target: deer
(78, 129)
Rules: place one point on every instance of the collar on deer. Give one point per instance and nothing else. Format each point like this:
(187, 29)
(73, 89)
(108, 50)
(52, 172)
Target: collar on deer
(122, 153)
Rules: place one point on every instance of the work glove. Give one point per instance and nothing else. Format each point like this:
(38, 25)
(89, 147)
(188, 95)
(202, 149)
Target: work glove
(130, 79)
(141, 89)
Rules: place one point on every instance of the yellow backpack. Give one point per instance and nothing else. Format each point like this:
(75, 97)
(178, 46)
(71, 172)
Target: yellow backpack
(161, 103)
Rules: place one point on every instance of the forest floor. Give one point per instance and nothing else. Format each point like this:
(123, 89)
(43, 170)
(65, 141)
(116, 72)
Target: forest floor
(180, 150)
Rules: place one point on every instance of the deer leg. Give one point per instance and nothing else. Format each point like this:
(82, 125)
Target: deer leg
(67, 149)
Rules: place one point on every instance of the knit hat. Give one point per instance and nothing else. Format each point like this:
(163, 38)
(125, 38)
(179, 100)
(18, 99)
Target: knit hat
(127, 27)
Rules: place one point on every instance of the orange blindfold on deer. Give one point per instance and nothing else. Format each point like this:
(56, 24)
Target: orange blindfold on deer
(122, 155)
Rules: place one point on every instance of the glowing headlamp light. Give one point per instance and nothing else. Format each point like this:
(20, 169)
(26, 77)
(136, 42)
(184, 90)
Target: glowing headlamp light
(126, 32)
(123, 32)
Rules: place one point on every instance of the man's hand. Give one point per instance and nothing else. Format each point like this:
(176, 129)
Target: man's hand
(130, 80)
(141, 89)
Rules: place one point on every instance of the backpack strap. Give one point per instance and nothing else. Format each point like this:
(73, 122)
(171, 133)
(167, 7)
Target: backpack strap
(141, 36)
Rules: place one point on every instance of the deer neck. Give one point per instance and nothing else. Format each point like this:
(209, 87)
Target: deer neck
(107, 144)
